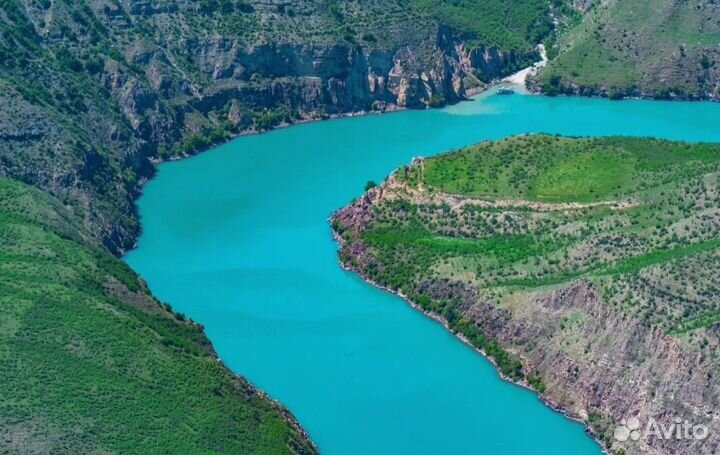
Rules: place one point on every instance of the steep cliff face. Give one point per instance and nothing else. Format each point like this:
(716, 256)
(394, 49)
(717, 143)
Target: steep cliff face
(626, 369)
(598, 300)
(108, 86)
(317, 79)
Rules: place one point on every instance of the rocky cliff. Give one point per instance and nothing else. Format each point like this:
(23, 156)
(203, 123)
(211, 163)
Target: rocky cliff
(93, 91)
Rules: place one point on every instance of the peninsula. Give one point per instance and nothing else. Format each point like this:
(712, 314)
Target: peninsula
(585, 269)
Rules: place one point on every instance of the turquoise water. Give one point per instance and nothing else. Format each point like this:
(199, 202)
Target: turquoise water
(237, 239)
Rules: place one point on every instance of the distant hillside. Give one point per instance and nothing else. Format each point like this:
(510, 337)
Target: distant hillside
(653, 48)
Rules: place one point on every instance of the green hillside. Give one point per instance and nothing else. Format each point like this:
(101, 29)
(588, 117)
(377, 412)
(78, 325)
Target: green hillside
(545, 199)
(657, 48)
(93, 364)
(497, 23)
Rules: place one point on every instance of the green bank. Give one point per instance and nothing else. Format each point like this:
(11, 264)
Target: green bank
(93, 364)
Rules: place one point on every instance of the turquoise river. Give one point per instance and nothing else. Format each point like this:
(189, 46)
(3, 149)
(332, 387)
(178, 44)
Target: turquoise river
(237, 238)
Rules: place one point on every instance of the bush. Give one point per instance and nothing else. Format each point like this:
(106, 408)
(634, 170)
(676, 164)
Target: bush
(369, 38)
(436, 101)
(195, 143)
(705, 62)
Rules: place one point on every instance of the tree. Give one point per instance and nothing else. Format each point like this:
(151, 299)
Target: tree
(705, 62)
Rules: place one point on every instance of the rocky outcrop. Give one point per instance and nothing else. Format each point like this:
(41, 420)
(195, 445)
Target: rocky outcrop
(333, 79)
(627, 370)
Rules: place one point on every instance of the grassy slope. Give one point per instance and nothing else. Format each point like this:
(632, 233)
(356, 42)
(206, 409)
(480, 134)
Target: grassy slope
(92, 363)
(496, 23)
(652, 47)
(667, 238)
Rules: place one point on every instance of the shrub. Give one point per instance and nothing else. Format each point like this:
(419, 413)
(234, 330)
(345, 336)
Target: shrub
(436, 101)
